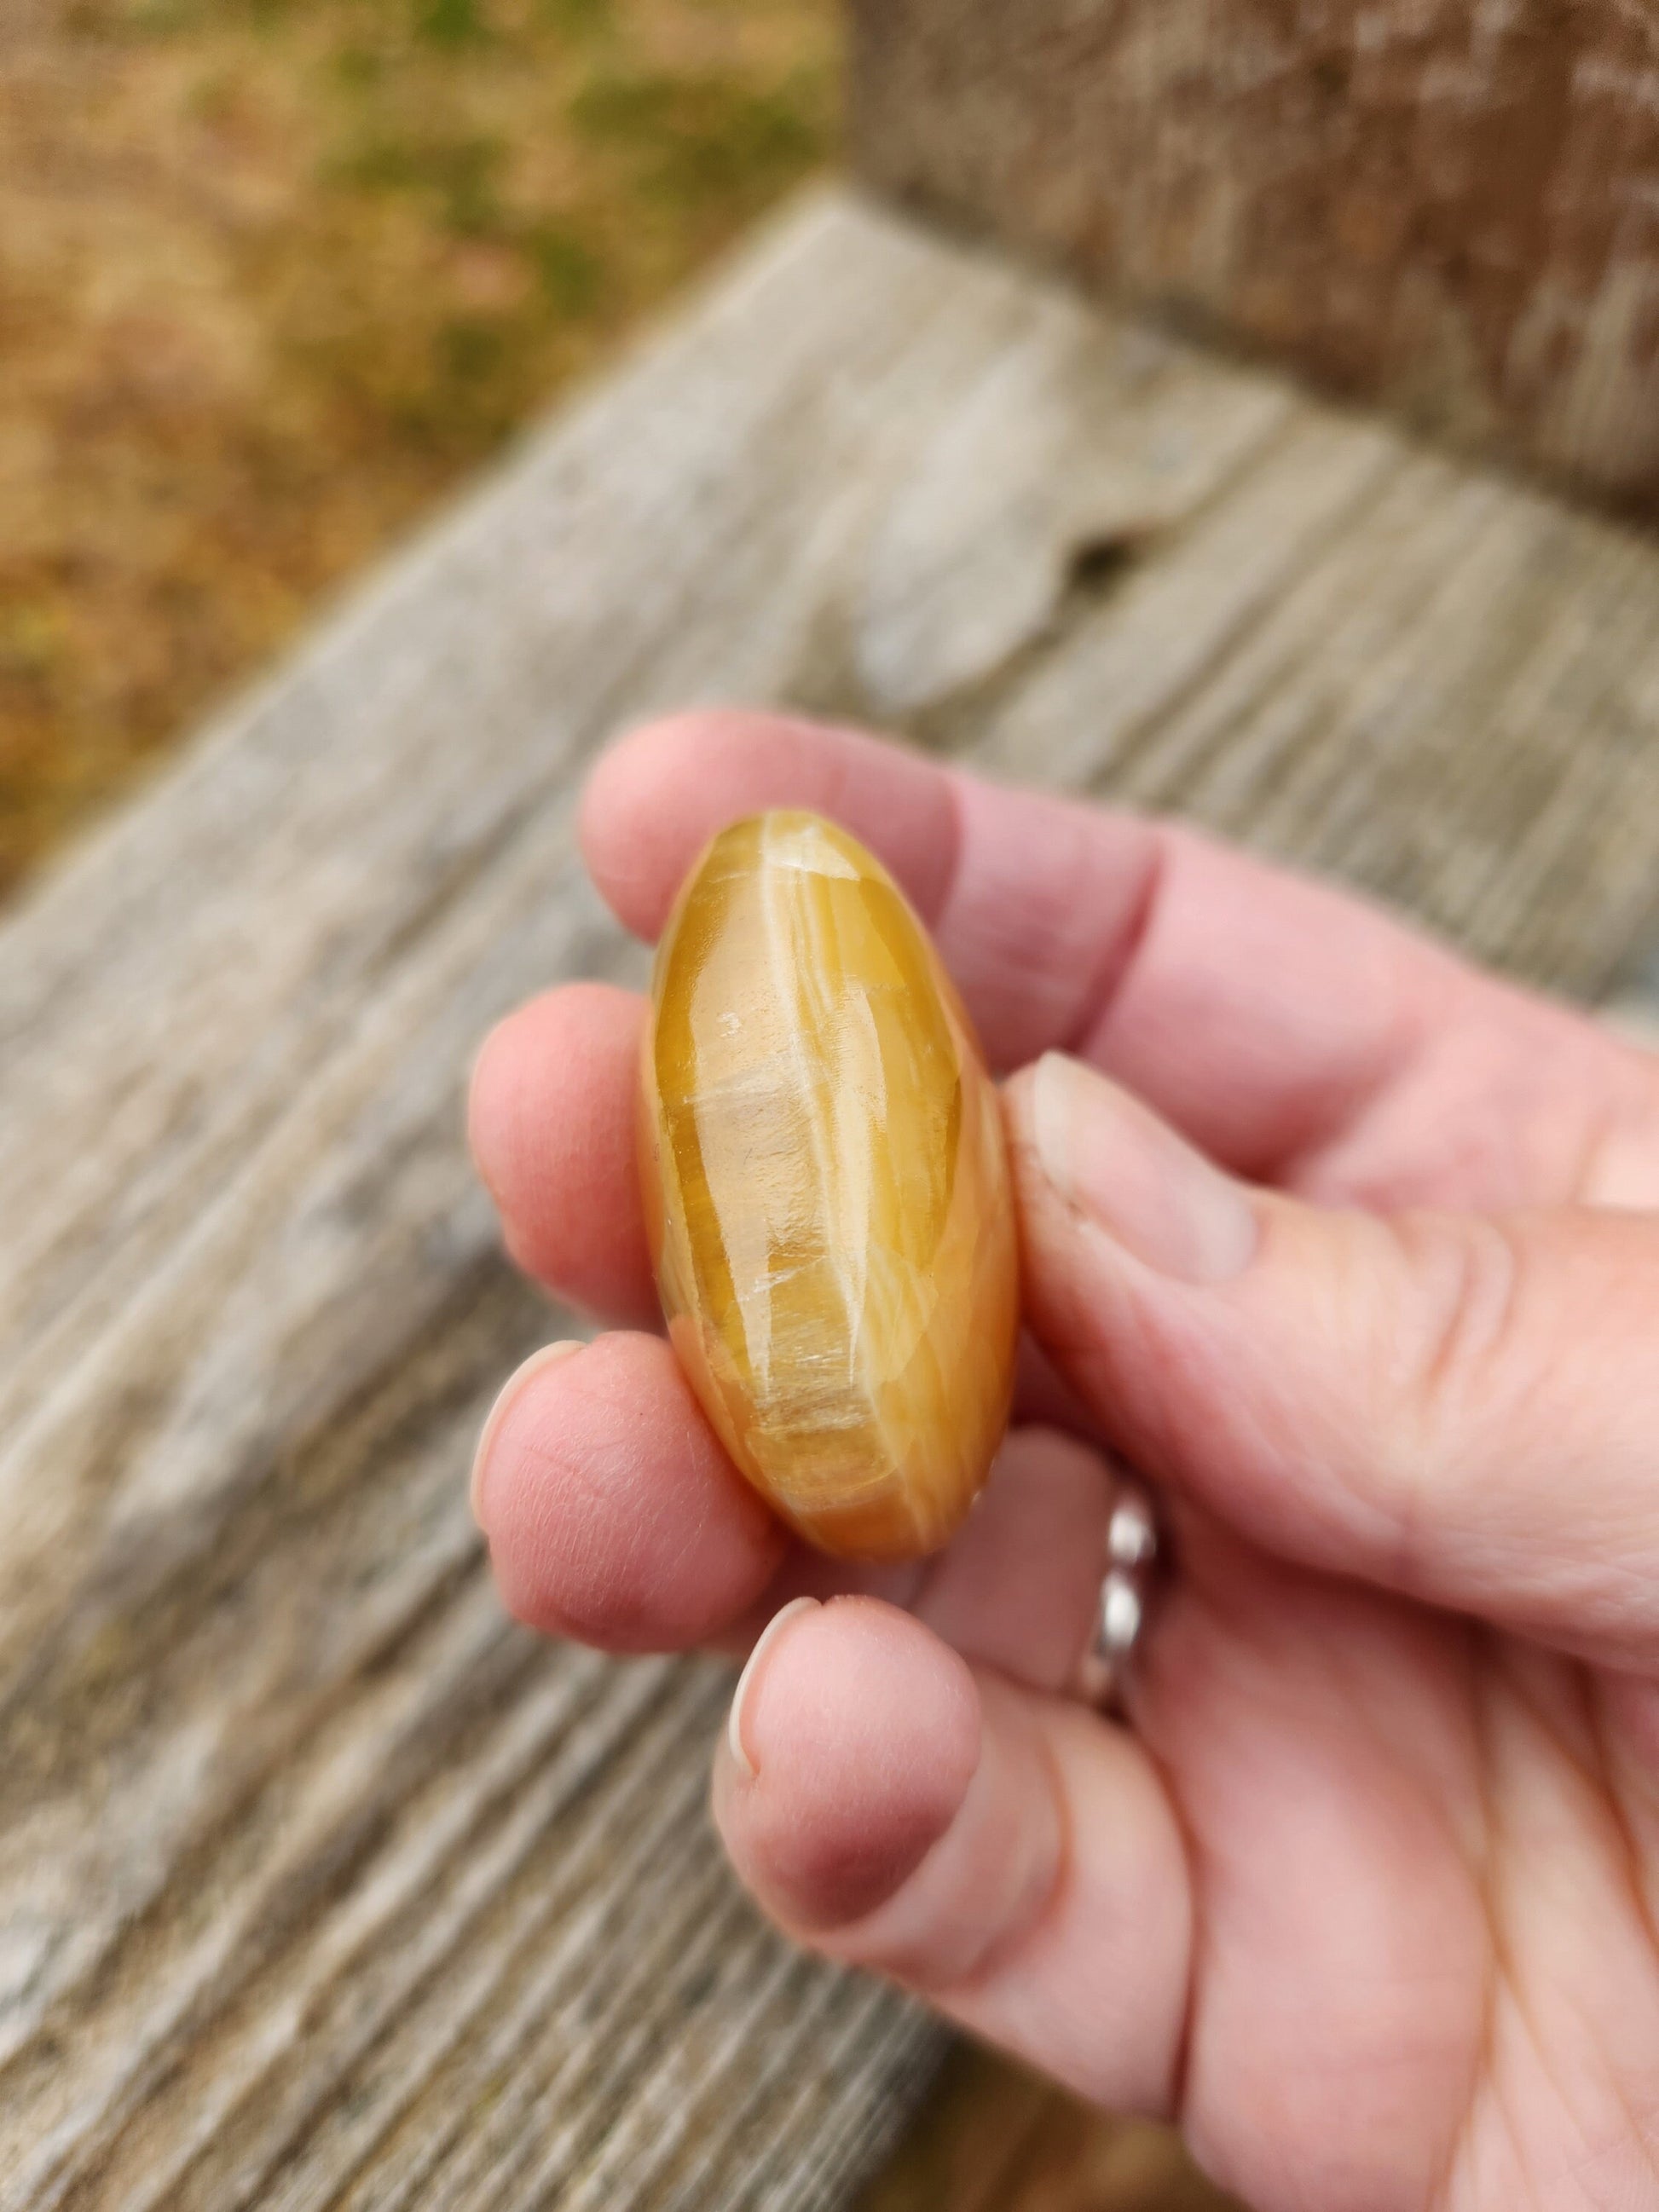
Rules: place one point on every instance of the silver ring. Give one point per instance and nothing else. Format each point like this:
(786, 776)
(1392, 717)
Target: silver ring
(1125, 1596)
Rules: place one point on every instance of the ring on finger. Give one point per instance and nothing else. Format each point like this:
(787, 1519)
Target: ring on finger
(1120, 1610)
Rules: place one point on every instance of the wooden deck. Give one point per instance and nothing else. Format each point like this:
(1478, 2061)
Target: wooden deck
(320, 1884)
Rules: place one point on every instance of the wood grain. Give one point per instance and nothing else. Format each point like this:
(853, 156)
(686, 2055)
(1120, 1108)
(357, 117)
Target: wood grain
(1452, 208)
(320, 1885)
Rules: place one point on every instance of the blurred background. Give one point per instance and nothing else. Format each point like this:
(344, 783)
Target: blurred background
(274, 274)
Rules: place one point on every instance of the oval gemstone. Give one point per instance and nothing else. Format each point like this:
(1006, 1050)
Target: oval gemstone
(827, 1191)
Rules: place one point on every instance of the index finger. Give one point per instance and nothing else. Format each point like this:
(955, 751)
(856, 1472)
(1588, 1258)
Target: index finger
(1265, 1015)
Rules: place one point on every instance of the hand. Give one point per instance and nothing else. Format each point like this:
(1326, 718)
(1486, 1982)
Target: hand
(1360, 1266)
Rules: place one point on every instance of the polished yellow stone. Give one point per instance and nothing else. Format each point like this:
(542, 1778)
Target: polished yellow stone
(828, 1190)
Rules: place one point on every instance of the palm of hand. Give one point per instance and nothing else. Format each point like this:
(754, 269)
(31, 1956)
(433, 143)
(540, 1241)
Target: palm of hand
(1424, 1857)
(1363, 1899)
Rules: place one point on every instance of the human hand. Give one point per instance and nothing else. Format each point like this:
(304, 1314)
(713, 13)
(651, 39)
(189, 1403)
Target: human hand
(1365, 1276)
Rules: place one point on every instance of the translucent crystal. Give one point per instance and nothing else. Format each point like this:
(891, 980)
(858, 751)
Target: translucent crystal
(828, 1190)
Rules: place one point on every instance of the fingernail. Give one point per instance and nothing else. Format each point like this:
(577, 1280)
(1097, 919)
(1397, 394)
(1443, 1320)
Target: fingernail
(751, 1674)
(548, 1355)
(480, 1164)
(1129, 1173)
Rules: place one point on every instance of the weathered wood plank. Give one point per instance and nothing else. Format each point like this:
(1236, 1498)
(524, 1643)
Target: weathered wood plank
(1451, 208)
(1437, 683)
(320, 1884)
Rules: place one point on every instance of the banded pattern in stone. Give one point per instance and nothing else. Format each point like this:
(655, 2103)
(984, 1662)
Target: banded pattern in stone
(828, 1190)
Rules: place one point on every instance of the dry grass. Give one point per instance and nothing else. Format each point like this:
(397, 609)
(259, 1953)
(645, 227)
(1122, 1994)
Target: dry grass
(275, 273)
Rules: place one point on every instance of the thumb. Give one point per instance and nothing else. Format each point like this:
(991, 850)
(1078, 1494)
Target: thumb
(1463, 1408)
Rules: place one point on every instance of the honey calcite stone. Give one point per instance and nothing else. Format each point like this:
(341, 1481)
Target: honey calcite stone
(828, 1190)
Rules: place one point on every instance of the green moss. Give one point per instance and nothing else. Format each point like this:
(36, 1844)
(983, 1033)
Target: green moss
(159, 19)
(471, 352)
(569, 268)
(626, 106)
(741, 147)
(359, 68)
(458, 176)
(705, 140)
(466, 173)
(450, 22)
(579, 19)
(31, 642)
(212, 99)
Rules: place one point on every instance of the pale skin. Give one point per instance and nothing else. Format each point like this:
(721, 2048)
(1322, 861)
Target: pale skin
(1355, 1253)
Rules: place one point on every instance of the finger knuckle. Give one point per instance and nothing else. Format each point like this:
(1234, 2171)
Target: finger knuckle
(1452, 1368)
